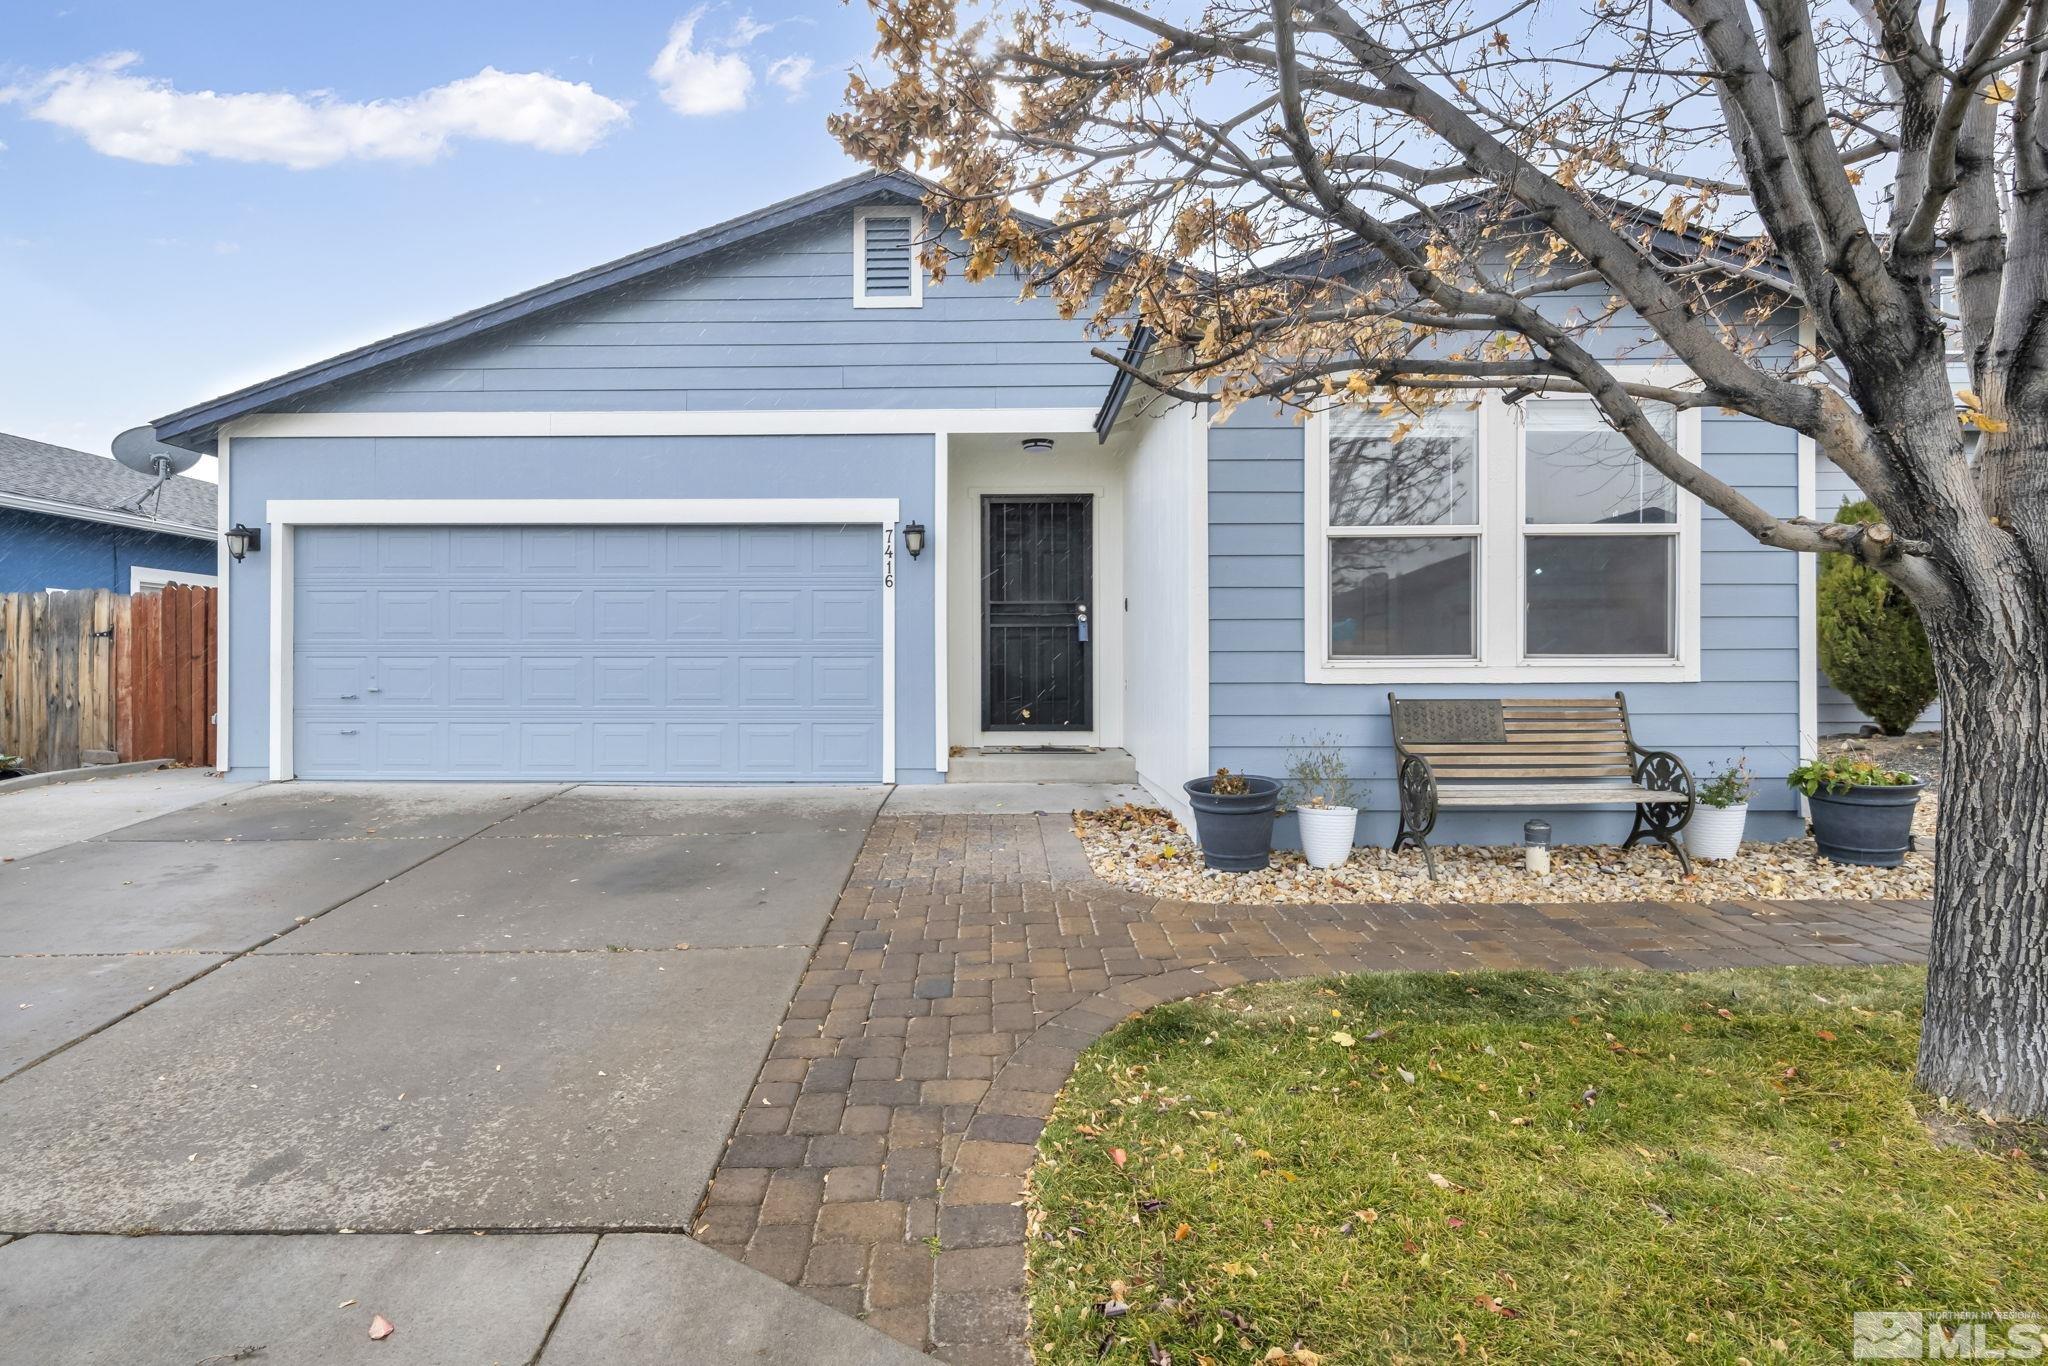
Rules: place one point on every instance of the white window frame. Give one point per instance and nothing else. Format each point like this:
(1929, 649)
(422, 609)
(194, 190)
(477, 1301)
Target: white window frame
(861, 297)
(1499, 613)
(145, 579)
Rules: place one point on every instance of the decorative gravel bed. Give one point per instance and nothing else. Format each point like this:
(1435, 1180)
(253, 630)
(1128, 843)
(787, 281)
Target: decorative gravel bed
(1146, 851)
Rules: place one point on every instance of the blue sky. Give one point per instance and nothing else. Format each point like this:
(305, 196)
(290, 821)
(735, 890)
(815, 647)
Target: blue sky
(159, 246)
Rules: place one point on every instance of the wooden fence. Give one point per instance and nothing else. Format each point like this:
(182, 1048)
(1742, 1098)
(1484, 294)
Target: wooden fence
(94, 670)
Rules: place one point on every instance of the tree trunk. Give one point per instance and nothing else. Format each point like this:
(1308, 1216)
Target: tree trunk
(1985, 1040)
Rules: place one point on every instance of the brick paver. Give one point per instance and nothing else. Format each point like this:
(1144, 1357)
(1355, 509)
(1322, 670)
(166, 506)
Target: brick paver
(880, 1164)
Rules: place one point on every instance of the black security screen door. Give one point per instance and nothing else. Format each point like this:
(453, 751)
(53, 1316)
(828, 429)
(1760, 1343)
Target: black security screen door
(1035, 605)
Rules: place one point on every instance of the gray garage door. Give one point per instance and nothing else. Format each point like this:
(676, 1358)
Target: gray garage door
(627, 654)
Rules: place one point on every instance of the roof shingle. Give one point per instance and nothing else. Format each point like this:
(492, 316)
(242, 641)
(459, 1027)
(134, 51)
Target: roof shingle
(97, 483)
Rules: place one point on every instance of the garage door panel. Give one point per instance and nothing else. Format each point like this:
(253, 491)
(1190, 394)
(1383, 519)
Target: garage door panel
(850, 681)
(847, 614)
(554, 551)
(410, 614)
(410, 551)
(480, 749)
(700, 749)
(410, 748)
(340, 615)
(625, 614)
(406, 681)
(615, 653)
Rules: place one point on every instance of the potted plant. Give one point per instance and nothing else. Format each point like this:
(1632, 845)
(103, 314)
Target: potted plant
(1234, 819)
(1862, 812)
(1325, 801)
(1715, 830)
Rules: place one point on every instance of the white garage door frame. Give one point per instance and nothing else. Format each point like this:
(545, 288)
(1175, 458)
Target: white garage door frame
(285, 516)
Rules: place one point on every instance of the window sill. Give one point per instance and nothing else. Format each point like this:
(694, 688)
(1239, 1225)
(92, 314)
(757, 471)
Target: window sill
(1450, 671)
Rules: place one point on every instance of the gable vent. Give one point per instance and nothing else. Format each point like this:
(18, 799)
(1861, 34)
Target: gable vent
(885, 271)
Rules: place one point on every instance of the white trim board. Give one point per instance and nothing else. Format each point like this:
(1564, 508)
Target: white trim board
(768, 422)
(577, 511)
(285, 516)
(222, 564)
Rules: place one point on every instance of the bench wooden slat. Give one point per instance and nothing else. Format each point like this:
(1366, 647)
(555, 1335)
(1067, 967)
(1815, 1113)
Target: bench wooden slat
(1511, 703)
(1552, 794)
(1526, 749)
(1519, 771)
(1578, 727)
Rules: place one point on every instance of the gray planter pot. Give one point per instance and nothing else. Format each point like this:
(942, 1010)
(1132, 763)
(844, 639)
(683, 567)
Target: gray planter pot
(1872, 826)
(1236, 833)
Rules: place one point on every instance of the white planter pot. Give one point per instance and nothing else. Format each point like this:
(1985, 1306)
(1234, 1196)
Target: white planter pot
(1715, 832)
(1327, 833)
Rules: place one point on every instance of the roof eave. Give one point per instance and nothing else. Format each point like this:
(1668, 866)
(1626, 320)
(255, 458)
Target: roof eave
(78, 512)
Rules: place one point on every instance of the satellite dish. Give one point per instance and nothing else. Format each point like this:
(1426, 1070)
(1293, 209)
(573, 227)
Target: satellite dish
(139, 450)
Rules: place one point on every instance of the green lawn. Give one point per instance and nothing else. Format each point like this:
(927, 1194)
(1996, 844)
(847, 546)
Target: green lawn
(1519, 1167)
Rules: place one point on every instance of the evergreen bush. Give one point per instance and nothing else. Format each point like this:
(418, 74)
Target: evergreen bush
(1871, 642)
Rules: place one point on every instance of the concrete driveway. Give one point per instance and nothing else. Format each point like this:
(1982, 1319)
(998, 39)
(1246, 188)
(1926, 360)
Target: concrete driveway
(532, 1012)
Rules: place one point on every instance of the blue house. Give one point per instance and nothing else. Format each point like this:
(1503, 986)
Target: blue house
(72, 519)
(761, 504)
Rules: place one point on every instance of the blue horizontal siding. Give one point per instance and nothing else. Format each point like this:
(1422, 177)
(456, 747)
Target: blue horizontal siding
(39, 552)
(767, 324)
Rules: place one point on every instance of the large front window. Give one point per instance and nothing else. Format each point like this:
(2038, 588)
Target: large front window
(1497, 543)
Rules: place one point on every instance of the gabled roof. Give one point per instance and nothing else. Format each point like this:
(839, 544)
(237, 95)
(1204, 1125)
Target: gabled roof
(38, 477)
(193, 428)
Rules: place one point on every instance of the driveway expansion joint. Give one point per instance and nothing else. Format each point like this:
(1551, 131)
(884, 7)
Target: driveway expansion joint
(882, 1161)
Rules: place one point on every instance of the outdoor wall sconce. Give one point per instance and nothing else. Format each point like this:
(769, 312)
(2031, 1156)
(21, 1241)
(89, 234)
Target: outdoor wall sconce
(913, 538)
(243, 539)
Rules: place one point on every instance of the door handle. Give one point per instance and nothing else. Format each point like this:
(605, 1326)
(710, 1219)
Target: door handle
(1081, 622)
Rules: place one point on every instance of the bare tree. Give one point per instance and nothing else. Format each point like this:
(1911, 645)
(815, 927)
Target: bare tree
(1393, 201)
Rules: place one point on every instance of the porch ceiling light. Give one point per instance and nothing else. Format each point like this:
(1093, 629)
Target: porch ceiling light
(1037, 445)
(243, 539)
(913, 538)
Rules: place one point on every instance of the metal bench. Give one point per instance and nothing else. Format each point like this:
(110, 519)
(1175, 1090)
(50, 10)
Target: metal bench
(1533, 751)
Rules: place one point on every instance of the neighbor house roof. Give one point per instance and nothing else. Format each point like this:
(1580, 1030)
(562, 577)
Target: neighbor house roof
(193, 428)
(38, 477)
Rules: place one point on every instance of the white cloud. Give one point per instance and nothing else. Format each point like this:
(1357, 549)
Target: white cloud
(791, 73)
(745, 30)
(697, 82)
(141, 118)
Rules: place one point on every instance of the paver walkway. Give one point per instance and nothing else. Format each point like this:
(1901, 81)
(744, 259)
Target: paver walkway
(970, 960)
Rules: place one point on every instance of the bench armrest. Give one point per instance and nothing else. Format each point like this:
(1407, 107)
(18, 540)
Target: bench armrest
(1662, 771)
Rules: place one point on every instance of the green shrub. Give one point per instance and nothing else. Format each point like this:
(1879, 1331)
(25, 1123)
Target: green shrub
(1871, 642)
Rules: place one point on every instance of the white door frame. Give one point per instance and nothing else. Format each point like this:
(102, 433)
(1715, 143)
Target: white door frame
(285, 516)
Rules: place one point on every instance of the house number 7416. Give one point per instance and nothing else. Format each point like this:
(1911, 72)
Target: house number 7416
(888, 557)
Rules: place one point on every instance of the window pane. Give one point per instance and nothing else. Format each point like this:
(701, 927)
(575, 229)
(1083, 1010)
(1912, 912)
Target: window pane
(1401, 596)
(1600, 595)
(1424, 479)
(1580, 471)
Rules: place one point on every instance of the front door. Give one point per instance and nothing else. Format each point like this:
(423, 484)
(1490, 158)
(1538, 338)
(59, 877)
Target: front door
(1036, 598)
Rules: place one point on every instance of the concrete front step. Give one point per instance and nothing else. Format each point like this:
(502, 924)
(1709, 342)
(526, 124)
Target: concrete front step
(1041, 766)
